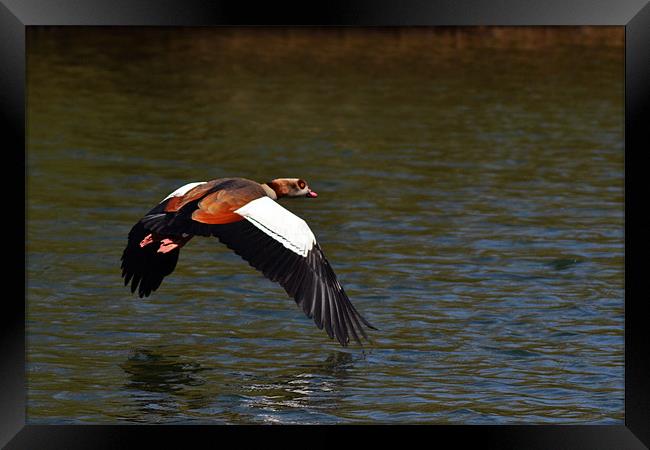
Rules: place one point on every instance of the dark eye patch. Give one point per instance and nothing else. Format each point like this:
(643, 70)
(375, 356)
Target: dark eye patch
(301, 184)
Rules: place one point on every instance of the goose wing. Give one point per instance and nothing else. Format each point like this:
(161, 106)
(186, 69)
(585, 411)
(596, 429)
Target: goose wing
(282, 246)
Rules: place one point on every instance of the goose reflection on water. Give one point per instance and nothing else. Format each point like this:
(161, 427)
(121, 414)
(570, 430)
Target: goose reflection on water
(151, 371)
(162, 385)
(169, 388)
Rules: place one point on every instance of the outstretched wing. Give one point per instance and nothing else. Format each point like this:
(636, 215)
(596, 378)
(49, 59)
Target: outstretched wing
(281, 245)
(145, 267)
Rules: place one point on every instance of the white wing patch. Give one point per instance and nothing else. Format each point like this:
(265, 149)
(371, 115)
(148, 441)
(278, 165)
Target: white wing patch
(182, 190)
(282, 225)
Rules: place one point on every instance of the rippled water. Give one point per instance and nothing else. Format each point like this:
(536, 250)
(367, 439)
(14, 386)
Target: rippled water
(471, 203)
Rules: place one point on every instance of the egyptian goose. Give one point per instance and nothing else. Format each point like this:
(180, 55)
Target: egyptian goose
(244, 215)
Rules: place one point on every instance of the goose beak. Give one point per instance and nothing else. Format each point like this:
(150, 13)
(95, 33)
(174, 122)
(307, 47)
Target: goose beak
(311, 194)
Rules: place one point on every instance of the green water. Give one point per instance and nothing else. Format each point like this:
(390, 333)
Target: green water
(470, 201)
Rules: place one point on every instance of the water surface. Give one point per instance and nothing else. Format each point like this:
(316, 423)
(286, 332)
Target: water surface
(470, 201)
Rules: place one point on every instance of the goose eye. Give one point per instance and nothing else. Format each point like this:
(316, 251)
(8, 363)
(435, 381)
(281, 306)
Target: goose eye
(301, 184)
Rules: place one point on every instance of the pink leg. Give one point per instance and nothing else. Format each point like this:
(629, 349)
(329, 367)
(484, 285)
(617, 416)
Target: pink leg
(146, 241)
(169, 244)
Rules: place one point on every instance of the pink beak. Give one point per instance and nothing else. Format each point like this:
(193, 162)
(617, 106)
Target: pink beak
(312, 194)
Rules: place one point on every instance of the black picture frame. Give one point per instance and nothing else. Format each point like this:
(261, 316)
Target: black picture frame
(634, 15)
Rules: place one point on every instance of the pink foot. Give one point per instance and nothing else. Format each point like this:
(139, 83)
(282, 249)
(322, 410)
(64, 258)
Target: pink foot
(146, 241)
(167, 245)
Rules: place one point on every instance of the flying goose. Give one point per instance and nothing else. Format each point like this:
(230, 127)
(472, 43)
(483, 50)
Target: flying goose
(244, 215)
